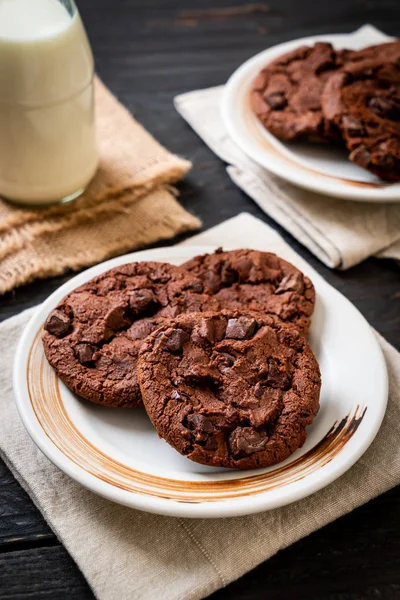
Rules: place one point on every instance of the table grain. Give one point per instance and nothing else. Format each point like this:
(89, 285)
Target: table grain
(147, 52)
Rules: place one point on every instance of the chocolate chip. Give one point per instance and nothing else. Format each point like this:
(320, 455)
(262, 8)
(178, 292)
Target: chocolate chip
(200, 423)
(141, 300)
(276, 100)
(361, 156)
(115, 318)
(202, 429)
(385, 108)
(85, 353)
(196, 285)
(291, 282)
(212, 329)
(213, 281)
(176, 340)
(57, 323)
(246, 440)
(242, 328)
(211, 443)
(175, 395)
(352, 126)
(278, 376)
(120, 366)
(228, 275)
(225, 362)
(259, 390)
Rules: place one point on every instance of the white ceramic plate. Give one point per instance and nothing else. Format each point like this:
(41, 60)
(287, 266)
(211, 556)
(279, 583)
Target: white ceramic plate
(117, 453)
(317, 167)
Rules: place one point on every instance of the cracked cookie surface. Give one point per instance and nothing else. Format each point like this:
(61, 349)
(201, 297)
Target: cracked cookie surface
(232, 389)
(256, 281)
(93, 337)
(362, 101)
(286, 95)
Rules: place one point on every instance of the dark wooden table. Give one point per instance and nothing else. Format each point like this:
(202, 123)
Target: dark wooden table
(147, 52)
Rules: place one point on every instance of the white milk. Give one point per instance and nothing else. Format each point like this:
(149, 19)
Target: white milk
(47, 137)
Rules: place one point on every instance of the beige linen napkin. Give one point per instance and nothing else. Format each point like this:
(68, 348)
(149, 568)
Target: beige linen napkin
(128, 204)
(130, 555)
(339, 232)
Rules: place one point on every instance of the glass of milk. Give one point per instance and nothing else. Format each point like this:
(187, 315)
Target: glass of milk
(48, 150)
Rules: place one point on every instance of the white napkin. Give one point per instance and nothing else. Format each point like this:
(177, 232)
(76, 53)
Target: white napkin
(128, 555)
(339, 232)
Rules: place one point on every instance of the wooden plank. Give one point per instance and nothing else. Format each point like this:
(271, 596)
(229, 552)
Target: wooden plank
(21, 524)
(41, 574)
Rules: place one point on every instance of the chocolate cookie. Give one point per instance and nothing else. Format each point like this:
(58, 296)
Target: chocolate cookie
(230, 389)
(257, 281)
(93, 337)
(362, 100)
(286, 95)
(381, 55)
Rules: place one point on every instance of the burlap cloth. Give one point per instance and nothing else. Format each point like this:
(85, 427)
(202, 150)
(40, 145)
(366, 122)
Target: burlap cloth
(130, 555)
(128, 204)
(339, 232)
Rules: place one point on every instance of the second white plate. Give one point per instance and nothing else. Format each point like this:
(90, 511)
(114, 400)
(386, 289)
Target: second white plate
(317, 167)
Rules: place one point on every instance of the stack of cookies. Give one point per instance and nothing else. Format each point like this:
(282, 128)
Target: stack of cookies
(336, 96)
(216, 350)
